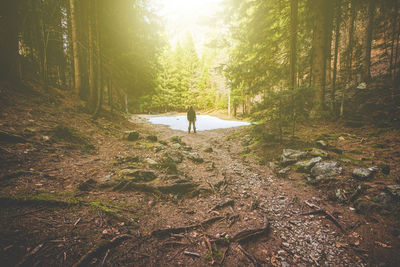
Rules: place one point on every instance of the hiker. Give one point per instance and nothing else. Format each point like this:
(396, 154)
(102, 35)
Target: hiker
(191, 116)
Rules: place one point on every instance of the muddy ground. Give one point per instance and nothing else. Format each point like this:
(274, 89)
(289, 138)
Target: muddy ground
(73, 191)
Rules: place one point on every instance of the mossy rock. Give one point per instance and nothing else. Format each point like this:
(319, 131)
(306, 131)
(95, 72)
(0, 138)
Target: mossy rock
(131, 135)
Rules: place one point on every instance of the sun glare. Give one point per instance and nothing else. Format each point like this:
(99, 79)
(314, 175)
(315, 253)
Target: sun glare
(182, 16)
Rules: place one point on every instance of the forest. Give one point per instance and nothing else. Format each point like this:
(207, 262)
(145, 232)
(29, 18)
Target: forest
(86, 178)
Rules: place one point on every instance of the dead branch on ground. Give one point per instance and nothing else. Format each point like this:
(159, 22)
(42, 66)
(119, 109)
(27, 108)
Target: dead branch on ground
(100, 249)
(328, 215)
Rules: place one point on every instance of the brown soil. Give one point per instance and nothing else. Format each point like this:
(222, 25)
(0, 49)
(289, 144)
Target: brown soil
(52, 216)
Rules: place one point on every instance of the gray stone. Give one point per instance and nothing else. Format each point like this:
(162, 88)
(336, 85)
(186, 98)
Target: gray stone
(305, 166)
(131, 135)
(290, 156)
(283, 172)
(151, 161)
(325, 169)
(176, 146)
(285, 264)
(193, 156)
(362, 173)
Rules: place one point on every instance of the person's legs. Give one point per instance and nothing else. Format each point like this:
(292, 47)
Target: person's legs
(194, 126)
(190, 124)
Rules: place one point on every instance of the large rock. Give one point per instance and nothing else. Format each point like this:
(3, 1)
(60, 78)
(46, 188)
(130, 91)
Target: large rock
(305, 166)
(326, 169)
(193, 156)
(131, 135)
(290, 156)
(363, 173)
(175, 155)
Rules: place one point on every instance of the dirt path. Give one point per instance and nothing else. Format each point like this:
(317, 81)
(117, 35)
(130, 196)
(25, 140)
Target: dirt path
(60, 201)
(256, 192)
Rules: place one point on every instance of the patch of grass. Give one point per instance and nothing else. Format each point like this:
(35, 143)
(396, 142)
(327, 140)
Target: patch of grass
(234, 135)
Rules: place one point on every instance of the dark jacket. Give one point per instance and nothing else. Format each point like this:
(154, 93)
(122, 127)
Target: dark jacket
(191, 114)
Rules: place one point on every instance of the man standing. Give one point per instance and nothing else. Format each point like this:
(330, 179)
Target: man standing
(191, 116)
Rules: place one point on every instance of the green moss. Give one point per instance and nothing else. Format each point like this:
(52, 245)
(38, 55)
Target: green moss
(347, 159)
(46, 198)
(233, 135)
(106, 208)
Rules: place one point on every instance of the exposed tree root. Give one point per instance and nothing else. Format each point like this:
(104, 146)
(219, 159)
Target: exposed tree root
(100, 249)
(328, 215)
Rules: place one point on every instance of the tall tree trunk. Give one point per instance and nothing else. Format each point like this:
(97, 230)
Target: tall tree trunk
(8, 41)
(294, 4)
(92, 100)
(75, 47)
(293, 40)
(349, 55)
(99, 67)
(397, 73)
(321, 31)
(335, 58)
(394, 27)
(366, 73)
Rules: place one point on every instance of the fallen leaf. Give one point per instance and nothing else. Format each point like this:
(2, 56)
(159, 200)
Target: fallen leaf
(382, 244)
(357, 243)
(341, 245)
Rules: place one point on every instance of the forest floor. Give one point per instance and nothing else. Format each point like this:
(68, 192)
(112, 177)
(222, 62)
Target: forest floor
(74, 191)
